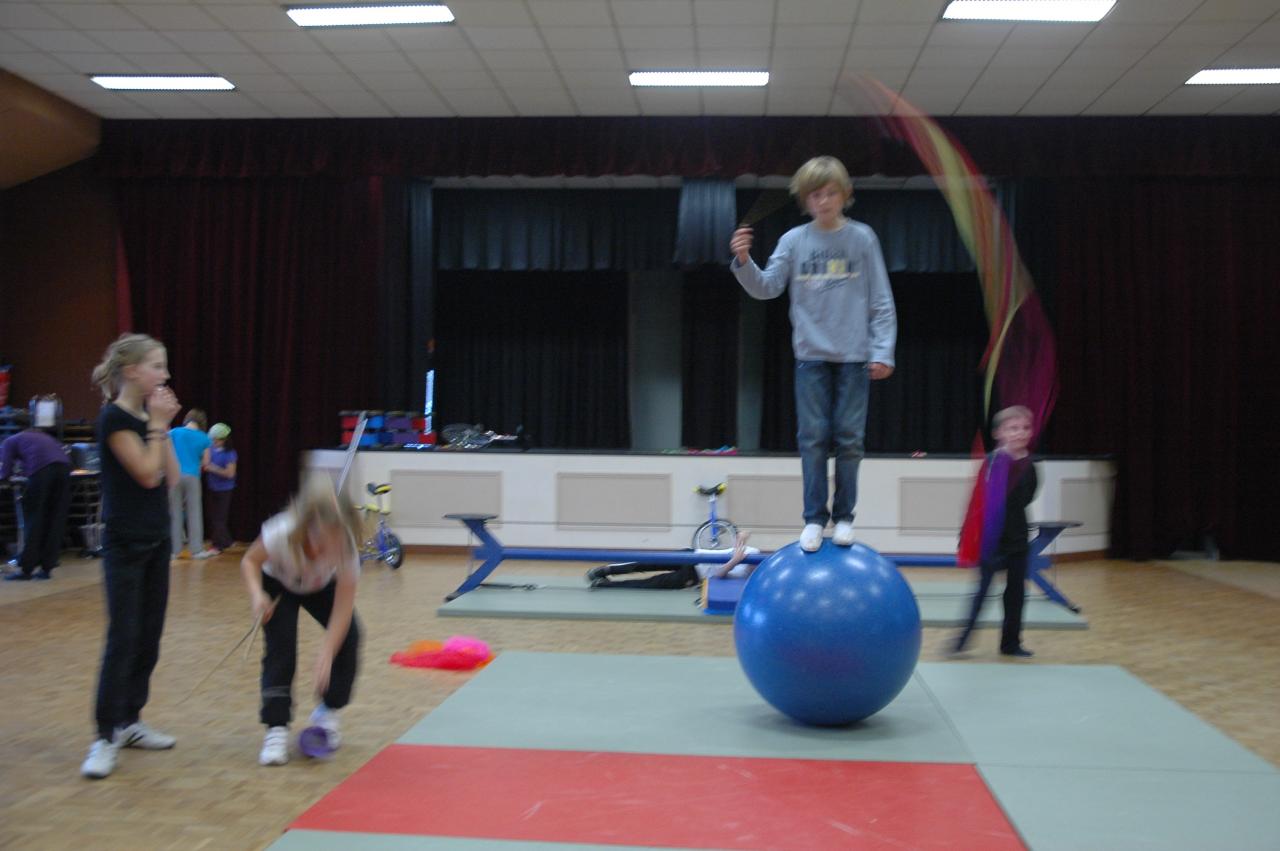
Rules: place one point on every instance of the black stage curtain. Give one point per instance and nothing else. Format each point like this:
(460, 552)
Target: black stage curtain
(543, 350)
(933, 401)
(1166, 308)
(264, 292)
(692, 147)
(555, 230)
(710, 355)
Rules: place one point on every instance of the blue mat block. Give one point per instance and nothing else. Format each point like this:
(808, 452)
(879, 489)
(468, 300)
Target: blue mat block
(720, 596)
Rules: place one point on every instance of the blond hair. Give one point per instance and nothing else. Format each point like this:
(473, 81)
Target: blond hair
(127, 350)
(317, 504)
(817, 173)
(1013, 412)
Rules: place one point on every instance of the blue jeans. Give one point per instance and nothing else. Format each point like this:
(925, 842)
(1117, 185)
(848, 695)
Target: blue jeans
(831, 413)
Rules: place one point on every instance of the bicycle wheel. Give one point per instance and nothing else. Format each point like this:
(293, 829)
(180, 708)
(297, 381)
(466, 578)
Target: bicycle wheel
(717, 535)
(392, 550)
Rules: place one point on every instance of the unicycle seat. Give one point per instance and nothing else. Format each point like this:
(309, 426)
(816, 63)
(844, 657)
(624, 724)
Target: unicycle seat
(377, 489)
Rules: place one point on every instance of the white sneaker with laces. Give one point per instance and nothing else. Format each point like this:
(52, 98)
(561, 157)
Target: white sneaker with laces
(101, 760)
(139, 735)
(843, 536)
(811, 538)
(323, 716)
(204, 554)
(275, 747)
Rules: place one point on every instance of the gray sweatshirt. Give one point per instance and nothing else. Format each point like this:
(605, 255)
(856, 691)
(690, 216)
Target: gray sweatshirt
(841, 305)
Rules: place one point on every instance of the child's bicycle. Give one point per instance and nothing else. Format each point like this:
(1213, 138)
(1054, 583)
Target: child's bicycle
(718, 533)
(383, 544)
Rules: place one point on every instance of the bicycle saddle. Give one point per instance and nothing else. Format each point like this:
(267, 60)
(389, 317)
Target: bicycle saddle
(713, 490)
(377, 489)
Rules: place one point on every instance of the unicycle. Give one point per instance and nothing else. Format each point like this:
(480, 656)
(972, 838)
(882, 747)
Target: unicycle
(718, 533)
(383, 545)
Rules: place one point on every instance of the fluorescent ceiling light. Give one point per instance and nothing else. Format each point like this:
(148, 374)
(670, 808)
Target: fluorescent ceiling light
(153, 83)
(699, 78)
(1027, 10)
(370, 16)
(1235, 77)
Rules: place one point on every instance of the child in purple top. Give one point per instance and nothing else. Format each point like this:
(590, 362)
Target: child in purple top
(45, 501)
(221, 479)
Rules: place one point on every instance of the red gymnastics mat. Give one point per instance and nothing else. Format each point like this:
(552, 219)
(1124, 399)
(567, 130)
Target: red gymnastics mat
(600, 798)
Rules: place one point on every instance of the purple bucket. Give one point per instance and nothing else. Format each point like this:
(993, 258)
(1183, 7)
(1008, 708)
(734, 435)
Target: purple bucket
(314, 742)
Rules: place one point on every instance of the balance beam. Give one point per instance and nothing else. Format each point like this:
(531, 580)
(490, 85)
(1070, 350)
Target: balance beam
(491, 553)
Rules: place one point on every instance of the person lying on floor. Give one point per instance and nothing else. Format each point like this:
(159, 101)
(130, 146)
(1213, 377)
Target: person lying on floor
(682, 576)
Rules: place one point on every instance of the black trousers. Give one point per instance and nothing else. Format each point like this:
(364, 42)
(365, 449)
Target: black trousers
(136, 581)
(217, 507)
(683, 576)
(280, 653)
(1015, 594)
(45, 501)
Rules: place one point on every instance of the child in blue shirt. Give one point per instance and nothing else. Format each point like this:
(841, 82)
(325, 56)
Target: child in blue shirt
(191, 444)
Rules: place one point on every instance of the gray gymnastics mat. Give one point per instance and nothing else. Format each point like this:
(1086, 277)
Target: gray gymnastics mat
(943, 603)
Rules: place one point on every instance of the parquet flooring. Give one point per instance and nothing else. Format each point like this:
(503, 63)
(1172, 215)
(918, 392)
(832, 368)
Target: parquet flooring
(1211, 646)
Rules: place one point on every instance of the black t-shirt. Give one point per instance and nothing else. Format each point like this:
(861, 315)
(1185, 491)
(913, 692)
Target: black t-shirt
(129, 510)
(1023, 482)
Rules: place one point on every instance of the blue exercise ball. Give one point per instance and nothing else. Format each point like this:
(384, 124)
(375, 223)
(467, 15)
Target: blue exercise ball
(829, 637)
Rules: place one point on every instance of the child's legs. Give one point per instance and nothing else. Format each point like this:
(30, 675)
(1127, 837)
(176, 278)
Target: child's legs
(122, 572)
(219, 503)
(35, 526)
(813, 435)
(342, 675)
(175, 518)
(682, 577)
(195, 513)
(279, 655)
(852, 385)
(1015, 594)
(154, 593)
(987, 572)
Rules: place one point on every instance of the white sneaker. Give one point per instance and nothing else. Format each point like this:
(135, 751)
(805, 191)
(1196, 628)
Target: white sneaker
(101, 760)
(323, 716)
(843, 536)
(204, 554)
(139, 735)
(275, 747)
(811, 538)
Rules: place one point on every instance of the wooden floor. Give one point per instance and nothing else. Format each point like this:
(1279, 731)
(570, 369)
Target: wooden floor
(1206, 643)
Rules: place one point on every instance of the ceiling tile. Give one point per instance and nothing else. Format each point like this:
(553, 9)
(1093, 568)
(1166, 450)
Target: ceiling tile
(570, 13)
(133, 41)
(306, 63)
(421, 103)
(354, 40)
(638, 60)
(799, 101)
(735, 101)
(954, 57)
(382, 82)
(272, 42)
(1194, 100)
(236, 105)
(733, 13)
(375, 62)
(265, 83)
(1131, 36)
(1030, 57)
(292, 105)
(97, 16)
(653, 13)
(669, 102)
(533, 102)
(900, 11)
(1255, 100)
(737, 58)
(28, 16)
(656, 38)
(1125, 101)
(862, 58)
(449, 80)
(504, 38)
(965, 34)
(604, 102)
(580, 38)
(1146, 11)
(314, 83)
(527, 79)
(37, 63)
(817, 11)
(734, 37)
(56, 41)
(430, 38)
(491, 13)
(169, 63)
(207, 41)
(478, 102)
(518, 60)
(602, 60)
(243, 17)
(441, 60)
(353, 104)
(243, 63)
(1234, 10)
(174, 17)
(810, 36)
(890, 35)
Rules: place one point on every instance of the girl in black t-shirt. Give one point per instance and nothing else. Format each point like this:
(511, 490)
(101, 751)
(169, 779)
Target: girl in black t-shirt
(138, 468)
